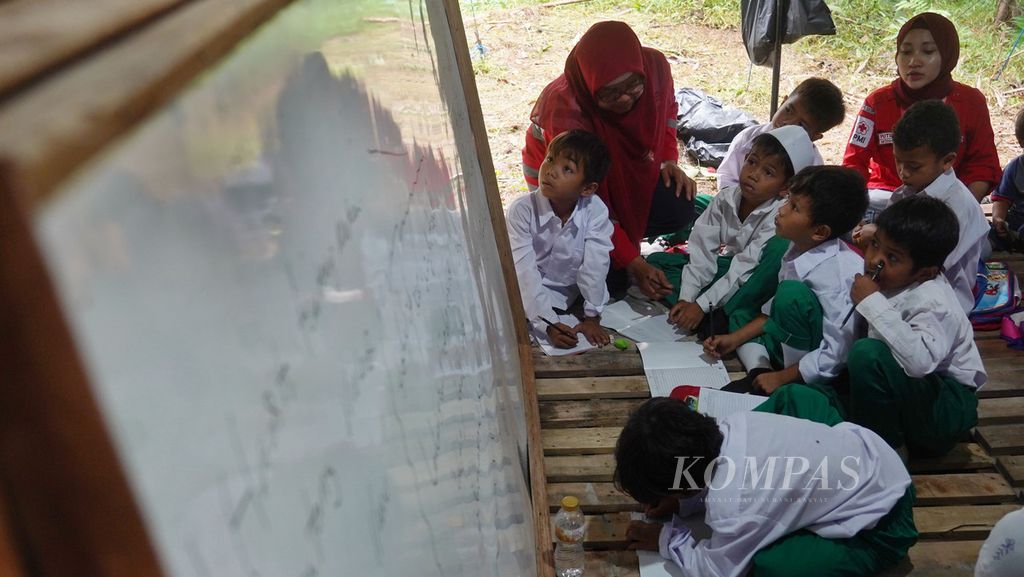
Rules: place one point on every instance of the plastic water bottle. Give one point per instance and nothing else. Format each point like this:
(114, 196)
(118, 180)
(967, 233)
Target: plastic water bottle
(569, 531)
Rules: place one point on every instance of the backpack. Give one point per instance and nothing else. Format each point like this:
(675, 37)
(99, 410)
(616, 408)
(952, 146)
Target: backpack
(998, 296)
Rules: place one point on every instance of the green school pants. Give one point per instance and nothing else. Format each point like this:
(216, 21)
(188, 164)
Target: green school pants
(803, 553)
(928, 415)
(746, 303)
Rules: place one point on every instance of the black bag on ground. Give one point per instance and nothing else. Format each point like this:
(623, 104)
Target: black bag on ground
(706, 127)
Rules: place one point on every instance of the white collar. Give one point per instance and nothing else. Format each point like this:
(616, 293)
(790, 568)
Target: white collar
(803, 263)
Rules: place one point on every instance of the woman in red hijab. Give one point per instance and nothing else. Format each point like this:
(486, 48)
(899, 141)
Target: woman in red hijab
(927, 50)
(614, 87)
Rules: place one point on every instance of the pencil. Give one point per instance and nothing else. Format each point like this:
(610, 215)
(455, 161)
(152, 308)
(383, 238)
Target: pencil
(559, 329)
(874, 276)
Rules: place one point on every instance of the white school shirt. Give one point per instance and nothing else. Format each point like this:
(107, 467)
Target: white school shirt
(555, 264)
(961, 266)
(788, 474)
(719, 229)
(926, 331)
(828, 270)
(729, 170)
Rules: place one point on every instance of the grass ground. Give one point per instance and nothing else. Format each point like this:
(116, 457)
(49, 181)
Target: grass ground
(525, 43)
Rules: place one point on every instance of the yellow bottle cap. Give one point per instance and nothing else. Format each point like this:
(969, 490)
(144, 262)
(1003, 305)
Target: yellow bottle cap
(570, 503)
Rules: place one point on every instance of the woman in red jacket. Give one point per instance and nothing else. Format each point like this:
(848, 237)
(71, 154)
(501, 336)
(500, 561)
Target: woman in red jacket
(927, 50)
(621, 91)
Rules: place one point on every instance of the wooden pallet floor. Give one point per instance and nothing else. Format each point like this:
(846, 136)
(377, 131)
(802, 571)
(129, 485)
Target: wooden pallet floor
(585, 400)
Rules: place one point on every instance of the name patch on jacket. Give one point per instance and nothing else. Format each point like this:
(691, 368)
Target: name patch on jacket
(884, 138)
(862, 129)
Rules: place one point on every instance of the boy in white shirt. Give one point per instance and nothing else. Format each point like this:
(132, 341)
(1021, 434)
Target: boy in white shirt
(800, 336)
(815, 104)
(924, 142)
(732, 264)
(791, 495)
(914, 380)
(561, 239)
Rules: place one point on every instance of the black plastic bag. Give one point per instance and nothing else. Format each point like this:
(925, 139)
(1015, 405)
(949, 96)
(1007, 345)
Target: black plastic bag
(706, 127)
(802, 18)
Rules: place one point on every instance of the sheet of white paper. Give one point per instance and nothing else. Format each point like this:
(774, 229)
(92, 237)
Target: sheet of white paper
(621, 314)
(669, 365)
(552, 351)
(723, 403)
(654, 565)
(655, 329)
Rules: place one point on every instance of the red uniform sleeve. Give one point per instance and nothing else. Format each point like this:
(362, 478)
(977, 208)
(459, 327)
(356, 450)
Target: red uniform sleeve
(533, 154)
(860, 148)
(981, 161)
(623, 249)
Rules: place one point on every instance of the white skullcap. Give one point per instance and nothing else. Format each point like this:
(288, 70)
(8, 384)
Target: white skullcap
(797, 144)
(1002, 554)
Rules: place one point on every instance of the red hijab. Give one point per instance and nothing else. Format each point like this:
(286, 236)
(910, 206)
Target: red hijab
(948, 43)
(605, 52)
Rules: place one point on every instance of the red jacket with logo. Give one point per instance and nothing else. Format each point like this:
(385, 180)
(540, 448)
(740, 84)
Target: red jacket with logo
(869, 149)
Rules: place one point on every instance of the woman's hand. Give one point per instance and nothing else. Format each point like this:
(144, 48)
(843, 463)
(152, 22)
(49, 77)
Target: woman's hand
(651, 279)
(670, 172)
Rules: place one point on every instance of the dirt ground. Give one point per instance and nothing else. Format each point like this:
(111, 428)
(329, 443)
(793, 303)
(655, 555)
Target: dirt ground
(525, 48)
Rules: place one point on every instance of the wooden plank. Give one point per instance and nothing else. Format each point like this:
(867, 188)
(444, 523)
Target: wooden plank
(38, 35)
(579, 441)
(1005, 379)
(592, 388)
(938, 559)
(1002, 439)
(1012, 467)
(1001, 411)
(605, 531)
(963, 457)
(605, 362)
(596, 413)
(611, 564)
(962, 489)
(594, 497)
(997, 349)
(961, 522)
(53, 127)
(595, 468)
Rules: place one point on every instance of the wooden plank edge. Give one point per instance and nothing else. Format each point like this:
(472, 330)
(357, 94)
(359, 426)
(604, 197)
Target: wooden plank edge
(44, 155)
(30, 26)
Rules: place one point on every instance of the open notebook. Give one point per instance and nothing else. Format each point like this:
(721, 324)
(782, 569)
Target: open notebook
(642, 321)
(669, 365)
(551, 350)
(715, 403)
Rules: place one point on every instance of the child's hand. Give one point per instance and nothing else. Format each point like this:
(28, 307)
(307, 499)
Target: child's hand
(769, 381)
(863, 234)
(862, 288)
(667, 506)
(686, 314)
(1000, 225)
(592, 330)
(561, 338)
(650, 279)
(643, 535)
(720, 345)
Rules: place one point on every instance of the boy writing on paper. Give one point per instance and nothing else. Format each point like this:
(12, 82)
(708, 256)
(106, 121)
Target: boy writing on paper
(733, 258)
(560, 237)
(800, 335)
(914, 380)
(796, 494)
(925, 140)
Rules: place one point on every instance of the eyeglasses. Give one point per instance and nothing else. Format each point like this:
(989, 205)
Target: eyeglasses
(633, 87)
